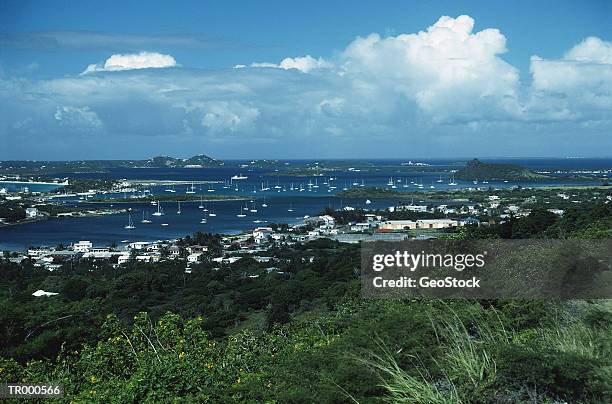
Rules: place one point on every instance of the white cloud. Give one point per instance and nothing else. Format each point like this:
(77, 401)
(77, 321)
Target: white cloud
(78, 118)
(446, 88)
(449, 71)
(142, 60)
(304, 64)
(579, 83)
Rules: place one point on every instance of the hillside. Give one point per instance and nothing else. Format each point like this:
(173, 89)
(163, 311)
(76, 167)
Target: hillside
(477, 170)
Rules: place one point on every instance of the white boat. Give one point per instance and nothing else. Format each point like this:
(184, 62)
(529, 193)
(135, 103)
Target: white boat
(316, 185)
(190, 190)
(239, 177)
(253, 210)
(452, 181)
(390, 182)
(160, 211)
(440, 180)
(130, 224)
(178, 212)
(368, 202)
(164, 224)
(201, 205)
(144, 218)
(203, 221)
(211, 213)
(264, 204)
(240, 213)
(290, 208)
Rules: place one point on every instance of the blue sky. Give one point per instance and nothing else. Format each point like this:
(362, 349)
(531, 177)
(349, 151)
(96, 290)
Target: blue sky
(305, 79)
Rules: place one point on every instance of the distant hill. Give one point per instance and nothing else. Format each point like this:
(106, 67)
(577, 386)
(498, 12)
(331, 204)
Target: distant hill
(46, 167)
(201, 160)
(477, 170)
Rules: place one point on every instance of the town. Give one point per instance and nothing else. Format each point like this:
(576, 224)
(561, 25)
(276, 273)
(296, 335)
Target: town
(432, 216)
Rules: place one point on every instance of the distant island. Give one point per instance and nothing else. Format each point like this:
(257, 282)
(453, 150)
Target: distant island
(199, 161)
(477, 170)
(46, 168)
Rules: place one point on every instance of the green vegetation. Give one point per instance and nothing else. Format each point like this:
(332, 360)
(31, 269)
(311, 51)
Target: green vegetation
(301, 332)
(12, 211)
(477, 170)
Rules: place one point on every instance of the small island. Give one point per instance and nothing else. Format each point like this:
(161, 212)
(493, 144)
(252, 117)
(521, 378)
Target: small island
(478, 170)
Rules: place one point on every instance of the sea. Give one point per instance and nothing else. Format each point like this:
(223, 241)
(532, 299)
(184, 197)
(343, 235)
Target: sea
(289, 199)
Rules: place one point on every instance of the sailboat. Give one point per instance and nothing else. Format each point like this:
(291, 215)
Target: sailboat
(452, 181)
(240, 213)
(362, 184)
(316, 185)
(159, 212)
(440, 180)
(290, 208)
(130, 224)
(190, 190)
(253, 210)
(201, 205)
(390, 182)
(405, 183)
(211, 213)
(264, 204)
(178, 212)
(144, 218)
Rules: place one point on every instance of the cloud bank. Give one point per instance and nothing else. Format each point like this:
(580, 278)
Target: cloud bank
(443, 91)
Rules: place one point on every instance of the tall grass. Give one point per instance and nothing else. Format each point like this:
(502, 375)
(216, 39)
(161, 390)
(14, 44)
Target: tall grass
(466, 365)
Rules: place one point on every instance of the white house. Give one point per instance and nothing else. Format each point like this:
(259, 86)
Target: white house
(436, 223)
(31, 212)
(193, 258)
(82, 246)
(392, 225)
(261, 234)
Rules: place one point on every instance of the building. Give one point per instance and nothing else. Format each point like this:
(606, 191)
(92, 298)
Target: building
(138, 245)
(411, 208)
(436, 223)
(395, 225)
(82, 246)
(261, 234)
(197, 248)
(193, 258)
(31, 212)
